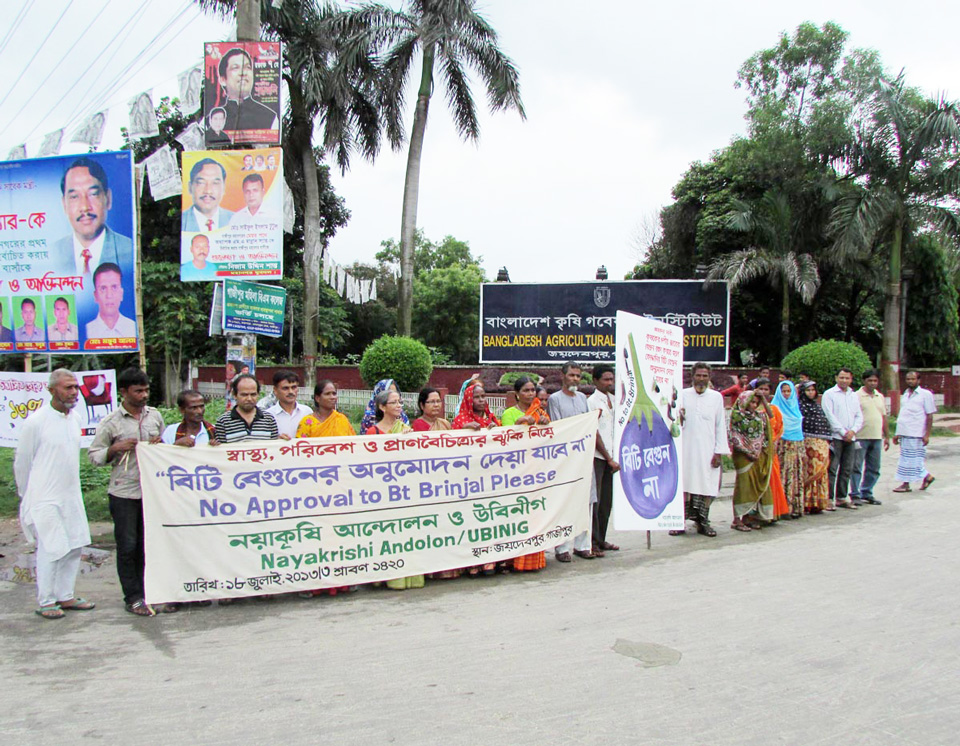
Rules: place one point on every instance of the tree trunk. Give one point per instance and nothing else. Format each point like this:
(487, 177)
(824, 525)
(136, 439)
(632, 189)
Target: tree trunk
(890, 350)
(312, 256)
(411, 193)
(785, 320)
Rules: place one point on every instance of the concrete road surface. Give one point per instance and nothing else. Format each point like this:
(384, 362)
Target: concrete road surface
(838, 629)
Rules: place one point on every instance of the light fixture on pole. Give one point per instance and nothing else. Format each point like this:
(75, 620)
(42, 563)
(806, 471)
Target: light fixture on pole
(503, 275)
(602, 272)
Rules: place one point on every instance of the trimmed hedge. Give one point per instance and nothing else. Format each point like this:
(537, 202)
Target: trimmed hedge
(508, 379)
(823, 358)
(405, 360)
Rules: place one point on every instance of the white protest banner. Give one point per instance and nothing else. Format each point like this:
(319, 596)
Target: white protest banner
(90, 131)
(278, 516)
(163, 172)
(22, 394)
(647, 491)
(143, 117)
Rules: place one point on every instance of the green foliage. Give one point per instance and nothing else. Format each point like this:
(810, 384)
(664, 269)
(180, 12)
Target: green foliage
(403, 359)
(510, 377)
(932, 322)
(822, 359)
(93, 484)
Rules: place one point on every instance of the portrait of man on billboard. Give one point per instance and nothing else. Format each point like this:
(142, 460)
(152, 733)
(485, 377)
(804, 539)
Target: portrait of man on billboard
(234, 94)
(109, 323)
(87, 200)
(208, 180)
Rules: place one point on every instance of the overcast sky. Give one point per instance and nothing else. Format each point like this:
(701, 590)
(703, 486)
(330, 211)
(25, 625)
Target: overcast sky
(620, 98)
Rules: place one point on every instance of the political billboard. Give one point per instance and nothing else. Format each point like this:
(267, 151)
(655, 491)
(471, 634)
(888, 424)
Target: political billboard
(242, 93)
(67, 258)
(231, 223)
(556, 322)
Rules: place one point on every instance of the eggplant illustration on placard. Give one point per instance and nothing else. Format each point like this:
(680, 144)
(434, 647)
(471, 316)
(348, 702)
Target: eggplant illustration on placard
(648, 456)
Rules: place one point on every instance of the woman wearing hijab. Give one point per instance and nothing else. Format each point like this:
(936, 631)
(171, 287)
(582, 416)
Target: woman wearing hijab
(370, 416)
(817, 434)
(790, 448)
(752, 444)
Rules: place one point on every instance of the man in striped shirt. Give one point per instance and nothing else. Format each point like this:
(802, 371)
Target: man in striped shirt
(245, 421)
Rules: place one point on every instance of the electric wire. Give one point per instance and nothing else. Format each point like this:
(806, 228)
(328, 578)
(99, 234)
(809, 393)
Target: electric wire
(15, 25)
(38, 50)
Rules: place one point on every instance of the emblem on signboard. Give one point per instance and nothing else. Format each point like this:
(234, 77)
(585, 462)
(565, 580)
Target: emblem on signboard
(601, 296)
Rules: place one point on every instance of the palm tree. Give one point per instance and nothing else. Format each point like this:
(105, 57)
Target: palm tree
(904, 164)
(451, 35)
(773, 229)
(332, 87)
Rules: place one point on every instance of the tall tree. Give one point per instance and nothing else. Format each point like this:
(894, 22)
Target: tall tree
(773, 255)
(452, 36)
(905, 162)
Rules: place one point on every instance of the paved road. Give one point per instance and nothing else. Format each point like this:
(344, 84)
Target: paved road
(837, 629)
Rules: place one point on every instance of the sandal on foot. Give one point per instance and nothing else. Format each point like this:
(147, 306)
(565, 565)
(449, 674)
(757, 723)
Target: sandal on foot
(50, 612)
(740, 527)
(902, 488)
(140, 608)
(927, 481)
(677, 532)
(168, 608)
(564, 557)
(77, 604)
(706, 529)
(608, 547)
(584, 554)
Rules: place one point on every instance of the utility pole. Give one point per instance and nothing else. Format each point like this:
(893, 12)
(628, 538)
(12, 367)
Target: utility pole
(248, 20)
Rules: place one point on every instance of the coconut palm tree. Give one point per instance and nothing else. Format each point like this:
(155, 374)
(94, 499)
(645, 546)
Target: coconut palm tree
(332, 89)
(450, 37)
(773, 256)
(904, 165)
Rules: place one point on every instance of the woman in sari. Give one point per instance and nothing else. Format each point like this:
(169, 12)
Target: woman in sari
(529, 410)
(325, 422)
(752, 444)
(817, 434)
(790, 450)
(780, 505)
(475, 414)
(370, 416)
(431, 412)
(389, 421)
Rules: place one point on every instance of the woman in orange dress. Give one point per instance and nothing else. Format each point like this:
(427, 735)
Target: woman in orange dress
(529, 410)
(325, 422)
(780, 504)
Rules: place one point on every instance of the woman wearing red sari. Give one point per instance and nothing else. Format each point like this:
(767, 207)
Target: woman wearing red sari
(474, 414)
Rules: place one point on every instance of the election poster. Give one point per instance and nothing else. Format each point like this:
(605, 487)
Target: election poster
(231, 223)
(278, 516)
(66, 245)
(241, 102)
(251, 307)
(648, 489)
(556, 322)
(22, 394)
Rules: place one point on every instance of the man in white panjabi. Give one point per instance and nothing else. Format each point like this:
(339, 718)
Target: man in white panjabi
(704, 443)
(47, 470)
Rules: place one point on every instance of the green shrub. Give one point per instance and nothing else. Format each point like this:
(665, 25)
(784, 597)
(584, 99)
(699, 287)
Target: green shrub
(403, 359)
(508, 379)
(822, 359)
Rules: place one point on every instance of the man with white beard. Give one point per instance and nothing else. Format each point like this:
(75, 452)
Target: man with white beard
(47, 470)
(704, 443)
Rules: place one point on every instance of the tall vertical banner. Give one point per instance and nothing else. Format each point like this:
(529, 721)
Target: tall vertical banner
(22, 394)
(68, 261)
(648, 489)
(242, 93)
(231, 222)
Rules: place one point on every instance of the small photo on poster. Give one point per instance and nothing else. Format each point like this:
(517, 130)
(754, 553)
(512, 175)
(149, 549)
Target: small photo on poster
(28, 323)
(62, 331)
(109, 328)
(6, 328)
(195, 264)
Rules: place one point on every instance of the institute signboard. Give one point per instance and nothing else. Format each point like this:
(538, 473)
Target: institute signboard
(556, 322)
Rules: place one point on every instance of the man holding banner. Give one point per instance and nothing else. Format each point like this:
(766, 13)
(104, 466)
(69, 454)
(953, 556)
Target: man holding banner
(47, 470)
